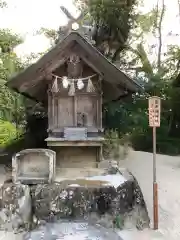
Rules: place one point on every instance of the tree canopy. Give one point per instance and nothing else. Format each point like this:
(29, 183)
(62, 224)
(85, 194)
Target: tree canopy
(11, 104)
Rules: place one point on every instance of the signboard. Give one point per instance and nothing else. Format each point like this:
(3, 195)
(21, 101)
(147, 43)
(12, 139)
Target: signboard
(75, 133)
(154, 111)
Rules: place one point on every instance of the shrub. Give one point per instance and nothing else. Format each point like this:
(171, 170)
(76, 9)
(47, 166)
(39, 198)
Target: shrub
(165, 145)
(8, 132)
(115, 147)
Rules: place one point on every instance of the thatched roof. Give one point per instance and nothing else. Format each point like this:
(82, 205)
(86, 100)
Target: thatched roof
(32, 81)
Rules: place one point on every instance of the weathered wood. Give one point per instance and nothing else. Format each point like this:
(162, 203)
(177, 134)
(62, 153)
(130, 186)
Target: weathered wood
(75, 111)
(87, 105)
(74, 66)
(81, 110)
(53, 113)
(41, 73)
(80, 93)
(89, 130)
(84, 57)
(53, 59)
(100, 112)
(57, 143)
(56, 101)
(65, 112)
(50, 117)
(59, 112)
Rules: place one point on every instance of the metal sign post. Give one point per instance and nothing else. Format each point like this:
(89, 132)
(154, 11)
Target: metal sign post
(154, 122)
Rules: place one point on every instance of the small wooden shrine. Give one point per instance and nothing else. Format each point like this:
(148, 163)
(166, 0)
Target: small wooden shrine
(72, 81)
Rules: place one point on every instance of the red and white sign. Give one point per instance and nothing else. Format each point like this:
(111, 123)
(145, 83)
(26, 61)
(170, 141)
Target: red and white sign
(154, 111)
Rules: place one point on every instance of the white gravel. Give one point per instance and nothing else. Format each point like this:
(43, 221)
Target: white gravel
(168, 177)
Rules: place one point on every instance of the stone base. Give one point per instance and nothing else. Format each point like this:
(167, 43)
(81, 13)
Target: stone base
(109, 200)
(74, 173)
(29, 180)
(74, 157)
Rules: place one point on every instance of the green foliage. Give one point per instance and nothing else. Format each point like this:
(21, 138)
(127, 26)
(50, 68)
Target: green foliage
(113, 20)
(119, 222)
(115, 147)
(142, 56)
(8, 133)
(111, 145)
(11, 103)
(50, 34)
(168, 146)
(131, 117)
(8, 40)
(147, 22)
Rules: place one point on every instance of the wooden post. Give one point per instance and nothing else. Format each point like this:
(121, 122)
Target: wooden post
(100, 110)
(16, 119)
(49, 111)
(155, 185)
(75, 110)
(53, 112)
(154, 122)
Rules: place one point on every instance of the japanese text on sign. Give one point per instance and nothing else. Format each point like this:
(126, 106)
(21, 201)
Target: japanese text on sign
(154, 111)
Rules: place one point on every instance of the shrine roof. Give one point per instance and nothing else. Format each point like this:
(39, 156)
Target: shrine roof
(31, 81)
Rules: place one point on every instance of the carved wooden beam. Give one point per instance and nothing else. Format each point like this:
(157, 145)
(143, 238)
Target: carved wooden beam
(78, 50)
(67, 13)
(72, 20)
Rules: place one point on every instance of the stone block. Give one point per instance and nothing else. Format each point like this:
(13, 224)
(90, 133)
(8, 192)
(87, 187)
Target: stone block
(33, 166)
(109, 200)
(15, 212)
(78, 198)
(108, 197)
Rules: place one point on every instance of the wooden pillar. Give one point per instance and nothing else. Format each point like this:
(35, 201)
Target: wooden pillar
(100, 110)
(49, 110)
(75, 111)
(53, 112)
(97, 112)
(58, 112)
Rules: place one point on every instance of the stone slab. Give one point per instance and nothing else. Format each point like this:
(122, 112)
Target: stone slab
(33, 166)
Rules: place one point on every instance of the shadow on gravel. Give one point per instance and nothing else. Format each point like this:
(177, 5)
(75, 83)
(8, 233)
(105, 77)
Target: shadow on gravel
(67, 230)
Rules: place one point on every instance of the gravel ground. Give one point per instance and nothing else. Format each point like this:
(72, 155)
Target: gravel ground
(168, 177)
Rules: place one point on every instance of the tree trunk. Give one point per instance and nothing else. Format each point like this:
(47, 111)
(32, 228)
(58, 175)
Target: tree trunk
(159, 27)
(179, 9)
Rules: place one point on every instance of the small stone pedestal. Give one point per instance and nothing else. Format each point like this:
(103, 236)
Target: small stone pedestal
(34, 166)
